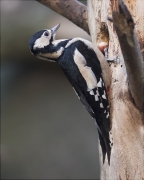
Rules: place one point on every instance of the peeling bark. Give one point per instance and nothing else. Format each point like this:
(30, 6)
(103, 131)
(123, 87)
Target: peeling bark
(73, 10)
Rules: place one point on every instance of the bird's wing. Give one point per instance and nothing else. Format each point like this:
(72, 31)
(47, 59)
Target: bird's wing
(84, 73)
(93, 95)
(90, 81)
(103, 134)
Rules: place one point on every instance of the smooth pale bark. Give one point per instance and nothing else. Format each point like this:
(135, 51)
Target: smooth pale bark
(127, 133)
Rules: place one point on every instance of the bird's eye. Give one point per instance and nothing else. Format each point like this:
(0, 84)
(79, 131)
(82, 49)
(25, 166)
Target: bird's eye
(46, 33)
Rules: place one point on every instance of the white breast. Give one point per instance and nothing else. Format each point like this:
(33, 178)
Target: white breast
(85, 71)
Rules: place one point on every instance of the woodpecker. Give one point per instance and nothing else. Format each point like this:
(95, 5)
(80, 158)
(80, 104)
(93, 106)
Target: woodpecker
(81, 66)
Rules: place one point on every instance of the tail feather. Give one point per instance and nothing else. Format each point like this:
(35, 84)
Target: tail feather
(105, 145)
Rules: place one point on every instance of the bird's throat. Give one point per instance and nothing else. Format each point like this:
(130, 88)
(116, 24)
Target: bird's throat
(51, 56)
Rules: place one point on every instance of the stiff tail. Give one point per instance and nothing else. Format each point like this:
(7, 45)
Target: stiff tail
(105, 145)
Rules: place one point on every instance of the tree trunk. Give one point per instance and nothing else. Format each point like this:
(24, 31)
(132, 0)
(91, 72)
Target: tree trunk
(127, 124)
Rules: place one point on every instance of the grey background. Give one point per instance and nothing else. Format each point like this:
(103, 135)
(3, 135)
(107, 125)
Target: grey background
(45, 131)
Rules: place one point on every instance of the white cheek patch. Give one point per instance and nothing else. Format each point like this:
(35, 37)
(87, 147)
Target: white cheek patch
(42, 41)
(85, 71)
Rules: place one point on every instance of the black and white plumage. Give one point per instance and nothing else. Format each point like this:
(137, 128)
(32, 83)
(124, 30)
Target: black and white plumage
(81, 66)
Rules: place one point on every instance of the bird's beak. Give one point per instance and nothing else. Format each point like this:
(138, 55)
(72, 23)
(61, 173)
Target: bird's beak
(55, 28)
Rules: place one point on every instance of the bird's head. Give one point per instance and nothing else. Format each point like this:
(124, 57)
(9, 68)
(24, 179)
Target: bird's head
(39, 41)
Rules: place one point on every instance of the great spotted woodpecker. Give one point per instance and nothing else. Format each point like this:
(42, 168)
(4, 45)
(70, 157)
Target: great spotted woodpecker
(81, 66)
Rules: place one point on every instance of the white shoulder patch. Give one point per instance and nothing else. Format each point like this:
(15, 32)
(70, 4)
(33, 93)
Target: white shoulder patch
(85, 71)
(86, 42)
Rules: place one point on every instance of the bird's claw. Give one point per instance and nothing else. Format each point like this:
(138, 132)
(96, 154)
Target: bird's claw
(110, 60)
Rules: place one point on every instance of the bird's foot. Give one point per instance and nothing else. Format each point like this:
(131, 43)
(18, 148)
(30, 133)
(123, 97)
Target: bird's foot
(114, 60)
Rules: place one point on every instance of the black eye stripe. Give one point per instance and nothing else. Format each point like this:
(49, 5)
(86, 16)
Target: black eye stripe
(46, 33)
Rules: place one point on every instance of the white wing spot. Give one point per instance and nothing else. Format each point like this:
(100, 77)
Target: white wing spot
(107, 115)
(85, 71)
(97, 92)
(96, 98)
(91, 92)
(101, 105)
(105, 111)
(103, 96)
(99, 84)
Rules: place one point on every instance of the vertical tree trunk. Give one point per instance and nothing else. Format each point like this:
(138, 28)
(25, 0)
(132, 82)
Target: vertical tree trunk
(127, 132)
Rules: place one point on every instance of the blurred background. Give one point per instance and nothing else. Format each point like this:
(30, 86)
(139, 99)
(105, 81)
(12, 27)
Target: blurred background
(45, 131)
